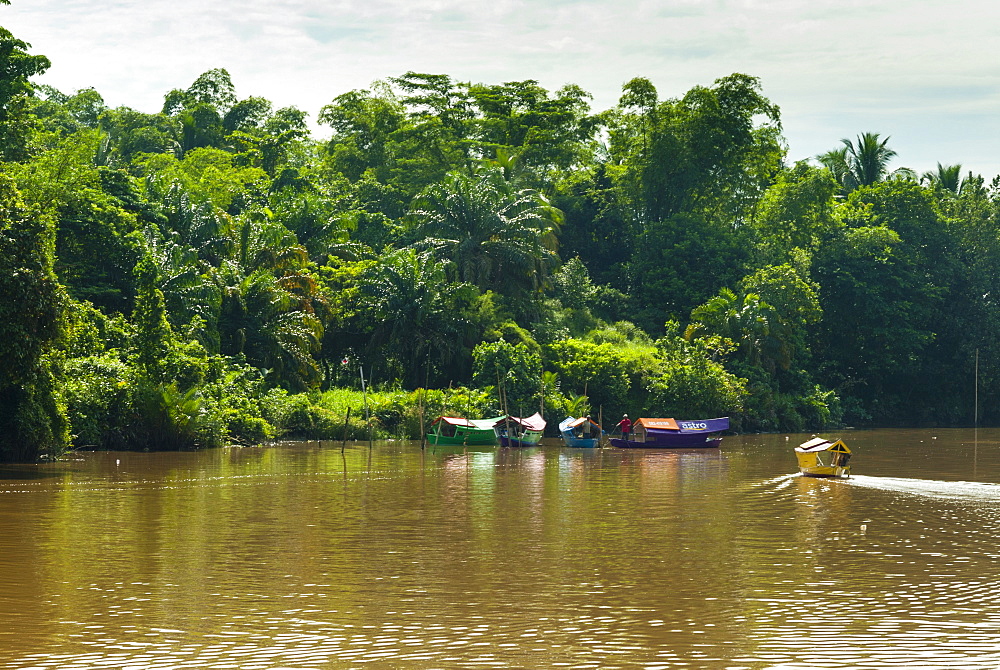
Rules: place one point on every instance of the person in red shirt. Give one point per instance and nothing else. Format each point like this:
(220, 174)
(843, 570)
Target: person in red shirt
(626, 425)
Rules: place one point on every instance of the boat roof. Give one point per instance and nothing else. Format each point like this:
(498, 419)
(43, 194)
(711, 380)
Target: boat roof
(482, 424)
(821, 444)
(533, 422)
(572, 422)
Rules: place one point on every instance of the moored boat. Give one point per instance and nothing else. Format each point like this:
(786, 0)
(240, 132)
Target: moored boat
(582, 433)
(457, 430)
(514, 431)
(820, 457)
(674, 434)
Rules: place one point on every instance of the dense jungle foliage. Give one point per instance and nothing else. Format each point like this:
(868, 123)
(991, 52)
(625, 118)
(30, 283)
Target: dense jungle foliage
(212, 273)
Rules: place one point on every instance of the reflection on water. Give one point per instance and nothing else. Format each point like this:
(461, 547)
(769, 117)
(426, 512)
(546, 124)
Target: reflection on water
(300, 556)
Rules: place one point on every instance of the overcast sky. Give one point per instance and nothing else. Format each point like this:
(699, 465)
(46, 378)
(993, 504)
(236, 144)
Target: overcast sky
(924, 72)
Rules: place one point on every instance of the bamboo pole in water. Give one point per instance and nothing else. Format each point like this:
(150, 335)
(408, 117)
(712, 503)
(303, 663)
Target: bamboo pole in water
(600, 424)
(368, 417)
(423, 437)
(541, 396)
(468, 411)
(502, 394)
(347, 420)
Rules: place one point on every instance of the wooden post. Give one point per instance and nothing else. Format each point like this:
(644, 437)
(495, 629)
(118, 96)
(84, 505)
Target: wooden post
(502, 394)
(368, 417)
(541, 395)
(347, 419)
(600, 424)
(468, 411)
(423, 437)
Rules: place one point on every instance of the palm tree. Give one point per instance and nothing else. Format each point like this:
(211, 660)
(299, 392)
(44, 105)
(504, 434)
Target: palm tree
(417, 312)
(947, 177)
(202, 228)
(187, 292)
(269, 321)
(835, 161)
(499, 239)
(761, 337)
(267, 303)
(869, 158)
(861, 163)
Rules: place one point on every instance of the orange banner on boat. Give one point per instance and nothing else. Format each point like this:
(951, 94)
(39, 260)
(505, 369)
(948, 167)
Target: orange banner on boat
(658, 424)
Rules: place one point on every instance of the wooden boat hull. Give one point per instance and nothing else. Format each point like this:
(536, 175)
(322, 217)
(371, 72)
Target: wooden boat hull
(472, 437)
(526, 440)
(681, 441)
(580, 442)
(825, 471)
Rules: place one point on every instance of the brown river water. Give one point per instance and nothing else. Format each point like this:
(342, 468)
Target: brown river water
(299, 556)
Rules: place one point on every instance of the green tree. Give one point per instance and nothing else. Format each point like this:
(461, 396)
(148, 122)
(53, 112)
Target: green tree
(690, 173)
(514, 371)
(768, 320)
(602, 372)
(521, 119)
(33, 416)
(94, 255)
(131, 133)
(437, 137)
(270, 310)
(207, 174)
(596, 228)
(714, 150)
(16, 67)
(691, 381)
(363, 122)
(154, 337)
(268, 146)
(886, 279)
(678, 264)
(796, 213)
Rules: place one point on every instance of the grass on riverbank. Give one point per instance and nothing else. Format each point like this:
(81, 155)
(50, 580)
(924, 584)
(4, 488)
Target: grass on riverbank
(393, 414)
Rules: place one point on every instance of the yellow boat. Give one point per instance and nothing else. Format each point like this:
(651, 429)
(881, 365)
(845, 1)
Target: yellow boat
(822, 458)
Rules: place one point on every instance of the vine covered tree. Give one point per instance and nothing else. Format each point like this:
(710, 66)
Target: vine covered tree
(32, 418)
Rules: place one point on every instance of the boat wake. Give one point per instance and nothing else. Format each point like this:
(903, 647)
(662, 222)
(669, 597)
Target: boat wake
(931, 488)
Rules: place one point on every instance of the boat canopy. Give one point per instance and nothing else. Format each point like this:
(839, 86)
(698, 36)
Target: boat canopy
(821, 444)
(533, 422)
(480, 424)
(569, 423)
(654, 426)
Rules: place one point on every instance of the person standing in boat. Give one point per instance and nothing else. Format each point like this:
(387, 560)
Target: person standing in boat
(626, 426)
(595, 430)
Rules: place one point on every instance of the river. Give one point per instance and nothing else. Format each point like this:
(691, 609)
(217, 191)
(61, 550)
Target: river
(298, 555)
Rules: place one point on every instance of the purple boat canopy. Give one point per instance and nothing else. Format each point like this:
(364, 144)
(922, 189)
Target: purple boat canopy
(674, 427)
